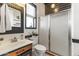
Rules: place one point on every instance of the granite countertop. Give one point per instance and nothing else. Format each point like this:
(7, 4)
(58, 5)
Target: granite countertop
(13, 46)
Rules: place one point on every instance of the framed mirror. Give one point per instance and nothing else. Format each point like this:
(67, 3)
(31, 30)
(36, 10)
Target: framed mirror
(14, 19)
(30, 16)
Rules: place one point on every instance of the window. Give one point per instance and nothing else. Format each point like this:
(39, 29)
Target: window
(31, 16)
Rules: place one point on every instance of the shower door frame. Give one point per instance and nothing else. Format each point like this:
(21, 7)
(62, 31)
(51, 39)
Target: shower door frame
(69, 31)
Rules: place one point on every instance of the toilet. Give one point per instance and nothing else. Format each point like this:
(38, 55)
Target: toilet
(38, 49)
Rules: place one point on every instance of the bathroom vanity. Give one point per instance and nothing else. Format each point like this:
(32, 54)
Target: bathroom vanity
(22, 48)
(23, 51)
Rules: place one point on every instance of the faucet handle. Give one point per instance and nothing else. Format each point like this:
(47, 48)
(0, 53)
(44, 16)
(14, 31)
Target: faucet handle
(14, 37)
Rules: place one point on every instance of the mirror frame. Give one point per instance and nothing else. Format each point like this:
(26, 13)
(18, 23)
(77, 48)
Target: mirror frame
(16, 29)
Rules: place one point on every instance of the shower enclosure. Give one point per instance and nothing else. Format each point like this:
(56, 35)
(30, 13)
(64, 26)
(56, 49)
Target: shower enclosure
(54, 32)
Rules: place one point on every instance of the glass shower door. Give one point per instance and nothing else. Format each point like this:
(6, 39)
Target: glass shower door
(59, 33)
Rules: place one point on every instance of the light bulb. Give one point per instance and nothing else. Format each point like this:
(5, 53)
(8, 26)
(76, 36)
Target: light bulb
(56, 10)
(53, 6)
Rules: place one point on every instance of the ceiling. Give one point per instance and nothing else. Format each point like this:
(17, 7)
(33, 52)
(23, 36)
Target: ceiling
(60, 6)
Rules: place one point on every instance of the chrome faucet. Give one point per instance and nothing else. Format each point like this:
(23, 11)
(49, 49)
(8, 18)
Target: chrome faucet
(1, 39)
(14, 39)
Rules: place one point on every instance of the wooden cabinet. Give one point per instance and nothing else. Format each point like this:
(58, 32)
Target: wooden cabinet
(21, 51)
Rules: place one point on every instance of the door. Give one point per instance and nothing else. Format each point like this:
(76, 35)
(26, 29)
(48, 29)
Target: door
(44, 31)
(59, 40)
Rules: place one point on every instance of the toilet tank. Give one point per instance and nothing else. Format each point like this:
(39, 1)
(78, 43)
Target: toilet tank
(34, 39)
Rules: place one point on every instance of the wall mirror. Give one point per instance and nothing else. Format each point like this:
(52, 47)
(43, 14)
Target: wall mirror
(13, 18)
(31, 16)
(16, 17)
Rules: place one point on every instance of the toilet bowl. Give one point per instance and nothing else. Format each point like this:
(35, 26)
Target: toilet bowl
(38, 49)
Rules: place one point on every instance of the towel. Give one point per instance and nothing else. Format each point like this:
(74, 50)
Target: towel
(9, 18)
(2, 19)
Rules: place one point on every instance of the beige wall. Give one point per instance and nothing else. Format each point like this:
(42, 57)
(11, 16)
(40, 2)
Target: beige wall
(75, 21)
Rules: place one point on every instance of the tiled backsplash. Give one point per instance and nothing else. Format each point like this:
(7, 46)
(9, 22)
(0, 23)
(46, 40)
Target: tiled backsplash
(8, 37)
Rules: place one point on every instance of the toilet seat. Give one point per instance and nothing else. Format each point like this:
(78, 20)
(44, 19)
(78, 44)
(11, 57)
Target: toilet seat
(40, 47)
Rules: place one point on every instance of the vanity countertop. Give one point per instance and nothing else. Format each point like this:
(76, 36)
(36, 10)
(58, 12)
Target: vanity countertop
(13, 46)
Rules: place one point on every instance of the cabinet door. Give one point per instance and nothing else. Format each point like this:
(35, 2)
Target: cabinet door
(21, 51)
(59, 40)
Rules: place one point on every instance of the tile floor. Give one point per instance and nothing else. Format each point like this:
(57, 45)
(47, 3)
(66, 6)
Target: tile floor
(45, 54)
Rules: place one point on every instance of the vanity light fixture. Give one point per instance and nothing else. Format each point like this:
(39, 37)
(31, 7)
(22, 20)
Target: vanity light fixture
(53, 5)
(56, 10)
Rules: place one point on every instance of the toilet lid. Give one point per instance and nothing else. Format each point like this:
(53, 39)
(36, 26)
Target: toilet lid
(40, 47)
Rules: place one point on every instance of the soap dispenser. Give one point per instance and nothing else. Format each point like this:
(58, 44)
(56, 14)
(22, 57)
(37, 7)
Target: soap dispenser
(22, 37)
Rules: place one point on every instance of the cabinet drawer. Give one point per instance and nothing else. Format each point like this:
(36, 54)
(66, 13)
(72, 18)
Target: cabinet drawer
(20, 51)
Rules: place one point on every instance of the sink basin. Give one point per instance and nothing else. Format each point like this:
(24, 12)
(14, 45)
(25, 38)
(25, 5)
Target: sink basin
(11, 44)
(3, 45)
(18, 43)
